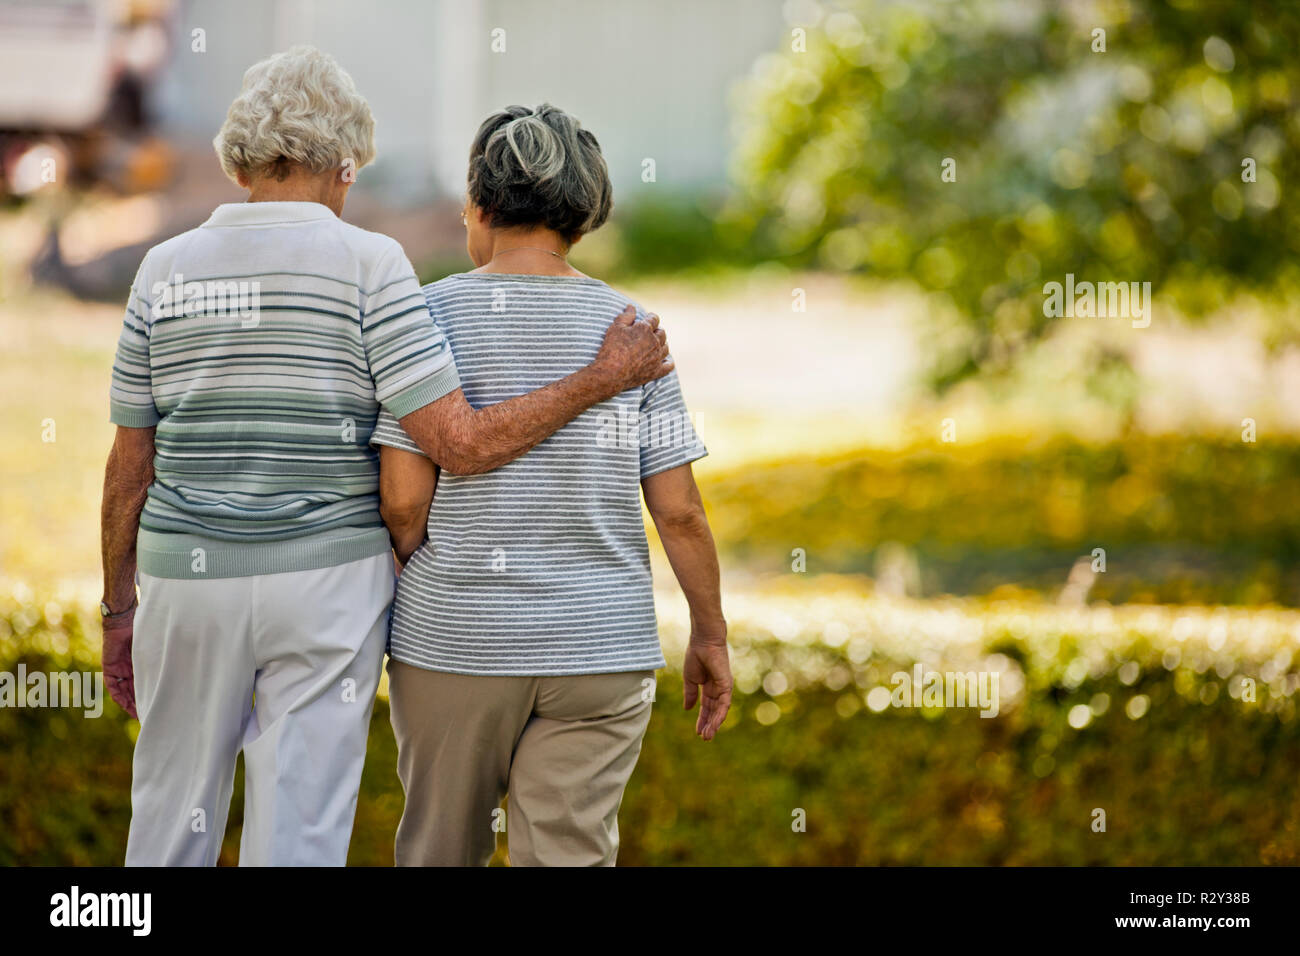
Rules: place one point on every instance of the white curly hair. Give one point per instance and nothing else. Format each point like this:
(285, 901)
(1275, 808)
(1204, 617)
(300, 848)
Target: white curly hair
(296, 108)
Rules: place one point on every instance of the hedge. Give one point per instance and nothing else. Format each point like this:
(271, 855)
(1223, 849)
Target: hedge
(1144, 713)
(1182, 519)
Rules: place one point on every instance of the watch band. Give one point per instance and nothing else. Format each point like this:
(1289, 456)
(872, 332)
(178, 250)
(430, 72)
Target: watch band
(106, 612)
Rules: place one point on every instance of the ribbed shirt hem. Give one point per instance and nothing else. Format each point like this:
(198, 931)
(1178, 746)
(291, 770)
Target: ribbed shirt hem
(576, 668)
(132, 416)
(191, 556)
(425, 392)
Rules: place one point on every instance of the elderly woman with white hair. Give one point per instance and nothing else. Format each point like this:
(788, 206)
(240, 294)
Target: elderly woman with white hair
(241, 490)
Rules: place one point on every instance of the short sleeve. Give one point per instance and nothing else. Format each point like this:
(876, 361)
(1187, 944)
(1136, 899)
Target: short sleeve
(130, 397)
(409, 358)
(667, 435)
(389, 431)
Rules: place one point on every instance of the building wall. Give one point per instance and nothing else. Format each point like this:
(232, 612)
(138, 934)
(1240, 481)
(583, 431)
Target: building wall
(650, 79)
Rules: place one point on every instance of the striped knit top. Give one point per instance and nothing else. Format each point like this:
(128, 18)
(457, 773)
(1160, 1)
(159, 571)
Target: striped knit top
(541, 566)
(261, 345)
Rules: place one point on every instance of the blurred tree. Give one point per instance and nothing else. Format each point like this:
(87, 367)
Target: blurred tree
(986, 148)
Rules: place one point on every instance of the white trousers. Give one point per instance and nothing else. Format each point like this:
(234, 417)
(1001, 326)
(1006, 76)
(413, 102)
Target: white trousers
(284, 666)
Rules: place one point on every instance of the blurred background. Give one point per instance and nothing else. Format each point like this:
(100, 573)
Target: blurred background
(846, 212)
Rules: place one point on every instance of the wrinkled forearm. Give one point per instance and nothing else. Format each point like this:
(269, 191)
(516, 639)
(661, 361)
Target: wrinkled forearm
(126, 485)
(688, 542)
(468, 441)
(406, 529)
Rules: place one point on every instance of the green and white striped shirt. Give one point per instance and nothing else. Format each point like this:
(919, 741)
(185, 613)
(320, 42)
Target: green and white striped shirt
(262, 345)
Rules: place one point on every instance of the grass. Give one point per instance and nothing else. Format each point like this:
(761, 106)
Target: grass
(55, 370)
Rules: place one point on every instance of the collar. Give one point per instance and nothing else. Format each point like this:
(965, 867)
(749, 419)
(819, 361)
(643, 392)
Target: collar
(267, 213)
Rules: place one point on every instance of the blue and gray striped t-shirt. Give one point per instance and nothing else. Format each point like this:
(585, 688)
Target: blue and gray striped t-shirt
(541, 566)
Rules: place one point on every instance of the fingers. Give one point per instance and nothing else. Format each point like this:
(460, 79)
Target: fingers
(690, 694)
(667, 366)
(713, 712)
(706, 718)
(123, 695)
(652, 320)
(626, 317)
(662, 336)
(720, 711)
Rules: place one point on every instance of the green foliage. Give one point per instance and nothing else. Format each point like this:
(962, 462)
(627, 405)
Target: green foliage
(1184, 786)
(1186, 767)
(673, 234)
(1123, 165)
(1182, 519)
(677, 234)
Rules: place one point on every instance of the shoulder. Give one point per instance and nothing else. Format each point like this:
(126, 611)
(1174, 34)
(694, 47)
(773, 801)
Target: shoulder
(448, 296)
(382, 268)
(168, 248)
(373, 250)
(601, 295)
(445, 285)
(622, 299)
(161, 259)
(464, 291)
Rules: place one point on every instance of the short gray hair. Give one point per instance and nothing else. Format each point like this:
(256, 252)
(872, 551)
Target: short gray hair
(538, 167)
(297, 107)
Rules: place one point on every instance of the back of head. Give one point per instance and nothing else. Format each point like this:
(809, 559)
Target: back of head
(538, 167)
(296, 108)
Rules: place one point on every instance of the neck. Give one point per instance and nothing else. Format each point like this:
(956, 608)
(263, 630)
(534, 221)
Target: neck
(530, 252)
(297, 189)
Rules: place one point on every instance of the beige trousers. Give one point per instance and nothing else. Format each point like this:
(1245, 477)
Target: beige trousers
(561, 748)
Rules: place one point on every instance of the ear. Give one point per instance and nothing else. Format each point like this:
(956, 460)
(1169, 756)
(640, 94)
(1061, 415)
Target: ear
(243, 179)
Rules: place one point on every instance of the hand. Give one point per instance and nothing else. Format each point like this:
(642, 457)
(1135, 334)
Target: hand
(119, 631)
(707, 668)
(634, 352)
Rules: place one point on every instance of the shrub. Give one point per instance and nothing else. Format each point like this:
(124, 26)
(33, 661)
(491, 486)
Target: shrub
(1143, 712)
(1182, 519)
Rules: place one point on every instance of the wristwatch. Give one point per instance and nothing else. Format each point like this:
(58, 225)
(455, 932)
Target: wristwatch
(105, 611)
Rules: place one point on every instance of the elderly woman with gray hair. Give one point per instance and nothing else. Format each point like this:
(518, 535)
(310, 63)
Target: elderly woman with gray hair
(256, 354)
(524, 642)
